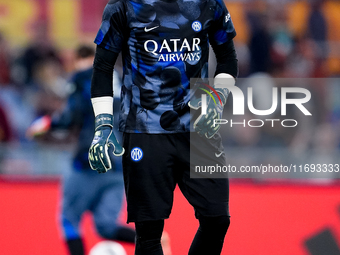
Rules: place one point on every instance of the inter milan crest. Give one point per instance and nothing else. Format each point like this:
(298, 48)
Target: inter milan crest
(196, 26)
(136, 154)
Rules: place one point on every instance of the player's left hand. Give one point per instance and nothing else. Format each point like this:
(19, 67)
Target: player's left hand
(205, 124)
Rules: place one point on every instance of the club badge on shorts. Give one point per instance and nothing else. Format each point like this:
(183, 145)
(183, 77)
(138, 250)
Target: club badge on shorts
(136, 154)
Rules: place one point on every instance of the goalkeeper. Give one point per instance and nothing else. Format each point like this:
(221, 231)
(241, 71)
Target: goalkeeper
(164, 44)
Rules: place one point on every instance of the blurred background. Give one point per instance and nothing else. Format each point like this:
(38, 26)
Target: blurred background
(275, 40)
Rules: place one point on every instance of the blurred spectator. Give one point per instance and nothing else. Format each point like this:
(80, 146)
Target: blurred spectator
(40, 51)
(310, 52)
(260, 41)
(301, 64)
(5, 134)
(282, 42)
(44, 73)
(317, 28)
(5, 130)
(19, 111)
(50, 87)
(40, 74)
(4, 61)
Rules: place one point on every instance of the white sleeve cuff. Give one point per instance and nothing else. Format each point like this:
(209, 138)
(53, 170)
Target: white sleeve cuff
(102, 105)
(225, 78)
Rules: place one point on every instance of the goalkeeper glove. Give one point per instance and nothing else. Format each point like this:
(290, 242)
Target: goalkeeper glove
(205, 124)
(104, 139)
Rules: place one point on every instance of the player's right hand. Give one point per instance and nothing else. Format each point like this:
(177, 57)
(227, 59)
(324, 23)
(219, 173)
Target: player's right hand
(104, 138)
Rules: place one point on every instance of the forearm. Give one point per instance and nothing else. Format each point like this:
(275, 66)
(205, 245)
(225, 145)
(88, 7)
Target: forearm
(226, 69)
(226, 59)
(102, 78)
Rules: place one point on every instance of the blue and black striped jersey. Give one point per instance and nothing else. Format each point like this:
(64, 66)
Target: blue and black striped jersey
(164, 43)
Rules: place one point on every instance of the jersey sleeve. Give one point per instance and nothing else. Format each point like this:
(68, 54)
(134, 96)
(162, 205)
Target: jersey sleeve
(223, 28)
(113, 29)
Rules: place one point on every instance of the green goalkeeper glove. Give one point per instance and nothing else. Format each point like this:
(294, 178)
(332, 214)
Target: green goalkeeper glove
(104, 139)
(205, 124)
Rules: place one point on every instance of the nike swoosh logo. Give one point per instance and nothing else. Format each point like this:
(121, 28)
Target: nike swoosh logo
(218, 154)
(149, 29)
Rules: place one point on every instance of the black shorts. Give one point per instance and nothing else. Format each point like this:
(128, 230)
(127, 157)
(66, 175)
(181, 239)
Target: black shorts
(154, 163)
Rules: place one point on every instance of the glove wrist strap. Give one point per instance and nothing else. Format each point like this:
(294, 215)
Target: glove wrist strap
(104, 119)
(223, 93)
